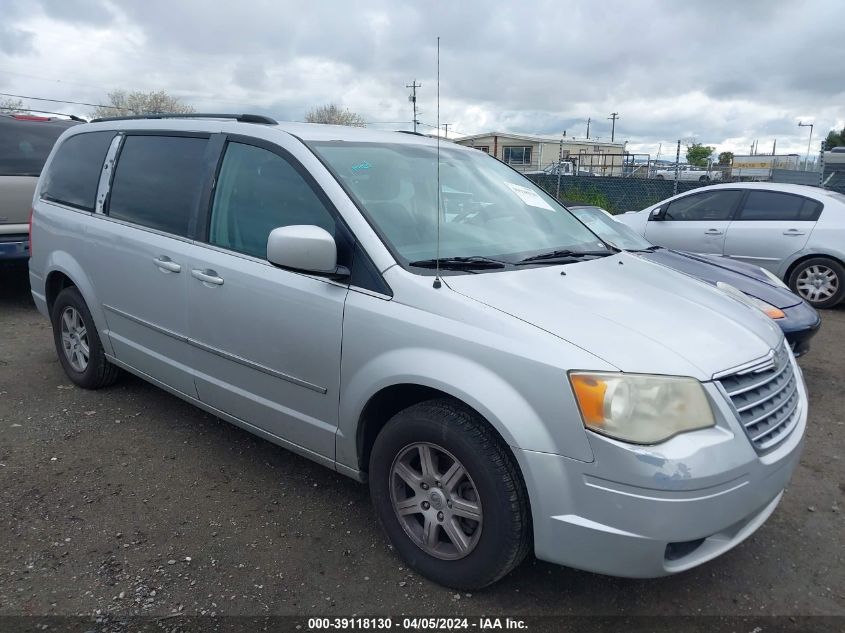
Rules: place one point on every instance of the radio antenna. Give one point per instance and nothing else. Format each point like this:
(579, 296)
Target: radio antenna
(437, 283)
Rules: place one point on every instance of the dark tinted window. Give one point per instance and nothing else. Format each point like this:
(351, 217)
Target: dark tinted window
(258, 191)
(157, 181)
(704, 206)
(771, 205)
(25, 143)
(75, 171)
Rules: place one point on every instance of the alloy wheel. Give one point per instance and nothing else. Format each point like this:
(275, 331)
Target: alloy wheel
(75, 339)
(436, 501)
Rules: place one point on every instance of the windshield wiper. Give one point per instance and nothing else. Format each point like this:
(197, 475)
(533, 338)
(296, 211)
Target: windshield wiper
(564, 254)
(459, 263)
(648, 249)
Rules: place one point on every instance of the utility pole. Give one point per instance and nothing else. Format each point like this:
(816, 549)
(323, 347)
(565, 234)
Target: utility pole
(446, 129)
(613, 116)
(588, 128)
(413, 99)
(807, 158)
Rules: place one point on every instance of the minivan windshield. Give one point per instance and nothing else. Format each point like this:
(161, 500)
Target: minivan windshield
(610, 230)
(487, 210)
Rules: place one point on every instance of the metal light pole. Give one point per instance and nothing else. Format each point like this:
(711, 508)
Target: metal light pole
(807, 158)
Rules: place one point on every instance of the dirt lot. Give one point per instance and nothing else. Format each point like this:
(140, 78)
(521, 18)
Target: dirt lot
(130, 501)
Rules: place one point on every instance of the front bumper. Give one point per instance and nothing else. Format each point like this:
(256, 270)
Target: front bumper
(14, 247)
(648, 511)
(801, 324)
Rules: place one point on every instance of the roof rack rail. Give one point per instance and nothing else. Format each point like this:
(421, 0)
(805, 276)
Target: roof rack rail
(243, 118)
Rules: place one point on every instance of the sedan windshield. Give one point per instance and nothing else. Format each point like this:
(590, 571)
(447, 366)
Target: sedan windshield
(487, 210)
(610, 230)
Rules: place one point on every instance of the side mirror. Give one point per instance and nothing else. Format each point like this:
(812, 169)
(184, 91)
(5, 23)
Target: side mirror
(656, 214)
(305, 248)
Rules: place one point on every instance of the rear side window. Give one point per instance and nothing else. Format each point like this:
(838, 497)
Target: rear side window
(157, 182)
(707, 206)
(74, 174)
(25, 143)
(772, 205)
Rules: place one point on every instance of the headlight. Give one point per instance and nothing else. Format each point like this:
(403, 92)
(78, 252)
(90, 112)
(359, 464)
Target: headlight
(640, 408)
(767, 308)
(774, 278)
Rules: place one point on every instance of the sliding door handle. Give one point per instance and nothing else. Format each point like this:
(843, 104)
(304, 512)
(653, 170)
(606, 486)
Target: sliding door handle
(207, 276)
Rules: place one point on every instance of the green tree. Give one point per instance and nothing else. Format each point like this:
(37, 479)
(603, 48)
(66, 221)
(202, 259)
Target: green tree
(835, 139)
(698, 154)
(725, 158)
(123, 103)
(333, 114)
(11, 105)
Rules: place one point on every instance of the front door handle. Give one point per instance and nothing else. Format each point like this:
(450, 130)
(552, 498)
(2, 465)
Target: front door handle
(166, 264)
(793, 232)
(712, 232)
(207, 276)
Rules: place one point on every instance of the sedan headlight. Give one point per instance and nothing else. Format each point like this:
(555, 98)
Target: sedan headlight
(774, 278)
(640, 408)
(767, 308)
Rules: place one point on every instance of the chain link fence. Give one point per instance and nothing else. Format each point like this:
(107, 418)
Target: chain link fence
(633, 181)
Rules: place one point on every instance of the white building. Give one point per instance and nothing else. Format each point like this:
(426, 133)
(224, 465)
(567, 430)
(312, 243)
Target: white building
(532, 152)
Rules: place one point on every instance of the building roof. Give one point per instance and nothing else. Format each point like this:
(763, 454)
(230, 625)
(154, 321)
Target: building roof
(540, 138)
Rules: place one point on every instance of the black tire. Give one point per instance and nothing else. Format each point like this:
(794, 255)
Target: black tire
(98, 372)
(704, 179)
(505, 536)
(820, 263)
(659, 177)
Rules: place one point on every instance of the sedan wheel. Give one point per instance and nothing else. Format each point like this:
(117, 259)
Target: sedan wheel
(819, 281)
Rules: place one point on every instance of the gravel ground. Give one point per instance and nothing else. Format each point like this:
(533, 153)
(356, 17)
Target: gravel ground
(129, 501)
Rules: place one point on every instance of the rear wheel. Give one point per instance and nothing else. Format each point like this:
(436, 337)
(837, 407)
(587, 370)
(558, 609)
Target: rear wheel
(819, 281)
(658, 177)
(704, 179)
(449, 495)
(78, 344)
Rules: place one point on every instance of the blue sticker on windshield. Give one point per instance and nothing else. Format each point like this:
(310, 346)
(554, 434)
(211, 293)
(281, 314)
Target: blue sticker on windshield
(360, 166)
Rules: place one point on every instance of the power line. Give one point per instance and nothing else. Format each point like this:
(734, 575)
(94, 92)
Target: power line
(93, 105)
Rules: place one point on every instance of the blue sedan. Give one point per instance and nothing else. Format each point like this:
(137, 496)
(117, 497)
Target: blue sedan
(750, 284)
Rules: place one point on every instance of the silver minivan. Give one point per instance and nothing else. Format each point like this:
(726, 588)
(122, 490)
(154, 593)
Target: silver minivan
(423, 318)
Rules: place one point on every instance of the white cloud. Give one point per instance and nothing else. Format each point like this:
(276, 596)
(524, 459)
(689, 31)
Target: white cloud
(724, 72)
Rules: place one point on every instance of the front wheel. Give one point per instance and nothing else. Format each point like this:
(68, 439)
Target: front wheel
(819, 281)
(658, 177)
(449, 495)
(704, 179)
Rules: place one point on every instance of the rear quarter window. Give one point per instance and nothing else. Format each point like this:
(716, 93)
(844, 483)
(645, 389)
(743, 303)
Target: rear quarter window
(74, 172)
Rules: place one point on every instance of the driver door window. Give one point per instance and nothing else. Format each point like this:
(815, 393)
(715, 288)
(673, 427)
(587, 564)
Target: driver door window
(703, 207)
(697, 222)
(258, 191)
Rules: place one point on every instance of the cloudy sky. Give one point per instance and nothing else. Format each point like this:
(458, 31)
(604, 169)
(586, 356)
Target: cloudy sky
(723, 72)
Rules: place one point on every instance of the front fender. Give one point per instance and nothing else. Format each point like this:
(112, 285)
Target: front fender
(464, 380)
(513, 374)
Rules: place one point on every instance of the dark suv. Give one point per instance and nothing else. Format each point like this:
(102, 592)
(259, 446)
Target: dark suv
(25, 143)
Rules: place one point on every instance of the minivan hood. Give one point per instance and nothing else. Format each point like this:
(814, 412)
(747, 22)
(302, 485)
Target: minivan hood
(638, 316)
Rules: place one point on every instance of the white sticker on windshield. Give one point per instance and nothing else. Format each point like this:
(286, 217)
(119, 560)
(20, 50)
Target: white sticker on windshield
(529, 196)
